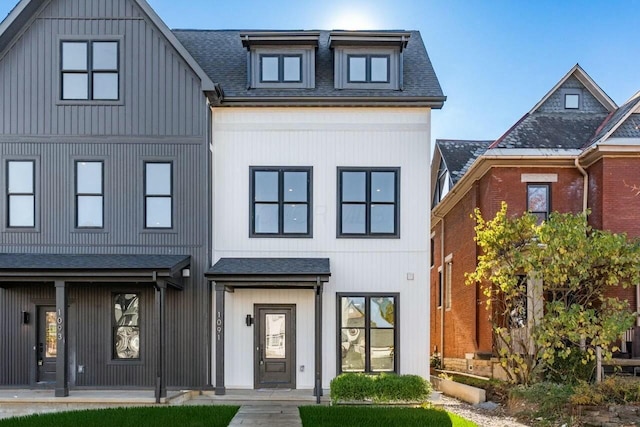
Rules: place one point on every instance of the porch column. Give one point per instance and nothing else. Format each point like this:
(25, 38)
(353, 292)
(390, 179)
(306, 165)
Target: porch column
(161, 319)
(317, 391)
(62, 357)
(219, 339)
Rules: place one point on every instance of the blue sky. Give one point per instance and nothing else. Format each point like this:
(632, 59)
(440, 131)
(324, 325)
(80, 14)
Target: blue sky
(495, 58)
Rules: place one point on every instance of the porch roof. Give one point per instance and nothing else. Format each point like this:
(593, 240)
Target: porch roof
(92, 267)
(255, 270)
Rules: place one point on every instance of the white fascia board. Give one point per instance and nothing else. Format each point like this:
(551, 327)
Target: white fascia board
(621, 141)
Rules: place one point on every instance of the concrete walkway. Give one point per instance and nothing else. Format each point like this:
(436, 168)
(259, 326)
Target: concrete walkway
(262, 414)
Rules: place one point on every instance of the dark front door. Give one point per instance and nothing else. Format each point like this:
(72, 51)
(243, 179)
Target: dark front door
(275, 344)
(47, 344)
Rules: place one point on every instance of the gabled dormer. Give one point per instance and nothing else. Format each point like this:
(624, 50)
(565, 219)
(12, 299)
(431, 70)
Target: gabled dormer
(281, 59)
(368, 59)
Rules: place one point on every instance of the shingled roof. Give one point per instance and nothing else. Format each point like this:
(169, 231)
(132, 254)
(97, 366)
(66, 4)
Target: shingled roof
(221, 54)
(91, 262)
(620, 123)
(459, 155)
(270, 266)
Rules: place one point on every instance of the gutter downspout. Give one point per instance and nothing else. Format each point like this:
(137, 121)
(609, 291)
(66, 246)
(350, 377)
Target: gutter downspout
(585, 184)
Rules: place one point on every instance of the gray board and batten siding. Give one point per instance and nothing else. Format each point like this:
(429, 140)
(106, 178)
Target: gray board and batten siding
(161, 116)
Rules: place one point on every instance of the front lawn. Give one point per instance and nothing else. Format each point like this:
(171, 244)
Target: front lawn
(371, 416)
(183, 416)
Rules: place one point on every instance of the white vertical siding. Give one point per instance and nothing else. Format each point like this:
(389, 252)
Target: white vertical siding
(327, 138)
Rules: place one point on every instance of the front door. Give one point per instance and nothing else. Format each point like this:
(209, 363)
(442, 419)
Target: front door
(47, 344)
(275, 344)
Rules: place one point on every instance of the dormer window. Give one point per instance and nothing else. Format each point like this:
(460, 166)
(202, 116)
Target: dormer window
(368, 68)
(281, 59)
(280, 68)
(368, 59)
(571, 101)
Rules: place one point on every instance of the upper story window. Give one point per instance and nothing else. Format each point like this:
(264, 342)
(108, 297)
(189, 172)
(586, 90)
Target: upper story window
(21, 193)
(280, 202)
(368, 68)
(368, 202)
(443, 184)
(538, 201)
(280, 68)
(158, 194)
(89, 195)
(90, 70)
(281, 59)
(572, 101)
(368, 59)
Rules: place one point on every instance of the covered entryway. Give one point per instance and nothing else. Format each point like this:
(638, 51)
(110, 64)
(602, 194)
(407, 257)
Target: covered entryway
(231, 274)
(51, 345)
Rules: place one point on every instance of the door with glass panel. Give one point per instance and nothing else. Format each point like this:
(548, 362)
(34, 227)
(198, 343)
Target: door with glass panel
(274, 343)
(47, 344)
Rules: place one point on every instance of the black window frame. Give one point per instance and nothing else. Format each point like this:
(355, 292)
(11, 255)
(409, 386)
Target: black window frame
(281, 170)
(10, 194)
(147, 196)
(114, 327)
(90, 72)
(443, 178)
(537, 213)
(281, 57)
(78, 195)
(440, 287)
(368, 204)
(367, 327)
(368, 57)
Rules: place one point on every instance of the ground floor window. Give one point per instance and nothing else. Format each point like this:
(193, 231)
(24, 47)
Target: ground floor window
(126, 326)
(368, 333)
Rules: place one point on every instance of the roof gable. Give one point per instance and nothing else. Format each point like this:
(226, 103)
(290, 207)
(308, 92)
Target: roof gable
(459, 155)
(623, 123)
(573, 79)
(26, 10)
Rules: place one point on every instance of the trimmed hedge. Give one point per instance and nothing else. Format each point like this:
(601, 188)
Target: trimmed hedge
(379, 388)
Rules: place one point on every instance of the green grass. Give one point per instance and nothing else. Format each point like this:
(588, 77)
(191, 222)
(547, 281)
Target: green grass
(372, 416)
(182, 416)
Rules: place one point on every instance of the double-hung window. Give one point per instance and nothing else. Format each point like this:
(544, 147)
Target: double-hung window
(538, 201)
(158, 195)
(21, 193)
(368, 333)
(280, 202)
(126, 326)
(367, 68)
(368, 202)
(280, 68)
(89, 194)
(90, 70)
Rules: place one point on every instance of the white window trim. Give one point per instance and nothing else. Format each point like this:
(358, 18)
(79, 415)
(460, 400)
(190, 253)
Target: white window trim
(448, 263)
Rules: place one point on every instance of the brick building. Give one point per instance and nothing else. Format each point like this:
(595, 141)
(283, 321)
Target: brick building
(575, 149)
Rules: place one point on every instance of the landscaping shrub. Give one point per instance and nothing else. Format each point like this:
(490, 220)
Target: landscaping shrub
(572, 369)
(611, 390)
(545, 402)
(379, 388)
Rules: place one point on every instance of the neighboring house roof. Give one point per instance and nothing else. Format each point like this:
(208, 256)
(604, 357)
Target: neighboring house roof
(223, 57)
(270, 266)
(624, 122)
(459, 155)
(550, 125)
(25, 10)
(551, 130)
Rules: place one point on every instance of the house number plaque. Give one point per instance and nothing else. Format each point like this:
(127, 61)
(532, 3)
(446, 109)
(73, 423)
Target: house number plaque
(218, 326)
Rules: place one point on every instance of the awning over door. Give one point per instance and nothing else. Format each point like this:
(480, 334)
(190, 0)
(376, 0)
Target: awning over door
(93, 268)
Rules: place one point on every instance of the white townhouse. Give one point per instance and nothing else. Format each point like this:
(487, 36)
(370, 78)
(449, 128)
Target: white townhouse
(320, 169)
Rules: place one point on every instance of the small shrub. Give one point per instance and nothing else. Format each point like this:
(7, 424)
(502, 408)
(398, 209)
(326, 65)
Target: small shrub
(572, 369)
(352, 386)
(379, 388)
(436, 361)
(545, 401)
(610, 391)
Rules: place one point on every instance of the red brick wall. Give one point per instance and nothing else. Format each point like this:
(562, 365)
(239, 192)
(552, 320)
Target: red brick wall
(495, 186)
(595, 194)
(619, 191)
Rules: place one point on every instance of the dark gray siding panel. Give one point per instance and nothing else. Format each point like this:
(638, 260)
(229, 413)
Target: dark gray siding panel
(161, 94)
